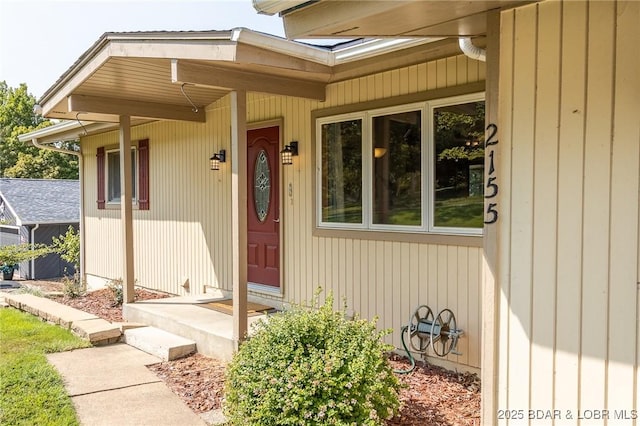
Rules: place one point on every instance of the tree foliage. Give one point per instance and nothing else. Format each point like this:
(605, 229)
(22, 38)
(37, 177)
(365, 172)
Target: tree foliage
(68, 246)
(18, 159)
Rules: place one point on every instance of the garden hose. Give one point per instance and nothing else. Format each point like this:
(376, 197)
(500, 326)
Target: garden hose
(411, 360)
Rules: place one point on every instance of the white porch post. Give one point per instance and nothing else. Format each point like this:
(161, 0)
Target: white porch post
(128, 277)
(239, 213)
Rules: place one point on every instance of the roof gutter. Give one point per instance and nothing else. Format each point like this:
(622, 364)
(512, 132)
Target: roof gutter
(75, 129)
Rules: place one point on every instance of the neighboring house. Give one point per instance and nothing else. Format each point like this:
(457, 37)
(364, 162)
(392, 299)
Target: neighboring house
(383, 204)
(35, 211)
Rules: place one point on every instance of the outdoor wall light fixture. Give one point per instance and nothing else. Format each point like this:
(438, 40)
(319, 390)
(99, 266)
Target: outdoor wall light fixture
(217, 158)
(379, 152)
(289, 152)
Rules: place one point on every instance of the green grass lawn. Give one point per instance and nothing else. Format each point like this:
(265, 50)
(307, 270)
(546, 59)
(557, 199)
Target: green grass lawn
(31, 390)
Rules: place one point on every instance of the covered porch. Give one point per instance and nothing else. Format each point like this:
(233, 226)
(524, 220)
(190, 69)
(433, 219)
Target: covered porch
(129, 79)
(126, 81)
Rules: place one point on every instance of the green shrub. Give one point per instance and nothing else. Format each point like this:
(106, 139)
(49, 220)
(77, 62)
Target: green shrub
(308, 366)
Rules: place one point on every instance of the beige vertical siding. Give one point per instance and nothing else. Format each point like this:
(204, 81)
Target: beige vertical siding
(185, 234)
(569, 146)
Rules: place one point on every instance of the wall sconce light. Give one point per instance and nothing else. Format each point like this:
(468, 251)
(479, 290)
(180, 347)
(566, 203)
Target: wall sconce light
(289, 152)
(379, 152)
(217, 158)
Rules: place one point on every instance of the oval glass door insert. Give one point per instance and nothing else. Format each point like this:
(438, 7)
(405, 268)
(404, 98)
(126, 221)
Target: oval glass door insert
(262, 185)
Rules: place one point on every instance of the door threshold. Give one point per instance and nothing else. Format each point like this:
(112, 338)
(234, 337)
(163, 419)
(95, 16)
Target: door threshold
(266, 289)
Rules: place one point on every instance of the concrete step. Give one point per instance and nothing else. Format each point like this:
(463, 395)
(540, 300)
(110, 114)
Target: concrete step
(211, 330)
(160, 343)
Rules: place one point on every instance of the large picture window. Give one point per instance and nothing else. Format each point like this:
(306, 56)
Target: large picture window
(411, 168)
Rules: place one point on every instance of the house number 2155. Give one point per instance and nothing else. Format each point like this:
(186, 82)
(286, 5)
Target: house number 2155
(491, 191)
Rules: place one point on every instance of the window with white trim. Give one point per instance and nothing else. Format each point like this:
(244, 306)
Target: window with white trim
(114, 191)
(407, 168)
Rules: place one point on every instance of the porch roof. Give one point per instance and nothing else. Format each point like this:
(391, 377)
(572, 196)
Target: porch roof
(174, 75)
(170, 75)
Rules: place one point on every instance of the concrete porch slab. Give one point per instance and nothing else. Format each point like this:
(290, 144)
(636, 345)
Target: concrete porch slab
(211, 330)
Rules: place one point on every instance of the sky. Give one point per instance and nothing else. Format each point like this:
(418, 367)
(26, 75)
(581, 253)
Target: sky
(41, 39)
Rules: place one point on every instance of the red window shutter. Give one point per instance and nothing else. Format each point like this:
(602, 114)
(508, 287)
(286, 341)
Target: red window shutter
(101, 184)
(143, 174)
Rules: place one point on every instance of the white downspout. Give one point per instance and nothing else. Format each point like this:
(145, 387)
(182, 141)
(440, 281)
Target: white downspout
(81, 178)
(473, 52)
(33, 246)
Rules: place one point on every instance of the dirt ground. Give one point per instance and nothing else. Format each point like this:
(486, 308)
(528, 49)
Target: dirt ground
(431, 396)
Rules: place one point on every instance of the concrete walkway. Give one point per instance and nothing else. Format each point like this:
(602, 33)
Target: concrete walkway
(111, 385)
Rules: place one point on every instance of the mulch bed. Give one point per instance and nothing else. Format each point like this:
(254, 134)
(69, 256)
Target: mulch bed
(432, 396)
(102, 302)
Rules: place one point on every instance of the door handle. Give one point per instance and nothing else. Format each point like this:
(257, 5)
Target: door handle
(276, 220)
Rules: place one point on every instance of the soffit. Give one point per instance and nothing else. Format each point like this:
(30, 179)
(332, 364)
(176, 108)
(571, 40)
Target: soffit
(375, 18)
(134, 79)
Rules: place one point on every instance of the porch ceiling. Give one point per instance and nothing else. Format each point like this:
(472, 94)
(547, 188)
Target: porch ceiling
(399, 18)
(135, 82)
(145, 78)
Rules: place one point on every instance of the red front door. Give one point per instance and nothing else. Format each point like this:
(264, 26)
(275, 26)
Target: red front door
(263, 206)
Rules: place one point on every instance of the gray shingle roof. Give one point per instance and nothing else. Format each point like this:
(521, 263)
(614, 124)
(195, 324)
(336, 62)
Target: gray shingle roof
(42, 200)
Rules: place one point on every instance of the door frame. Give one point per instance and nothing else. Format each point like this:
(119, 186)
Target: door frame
(261, 288)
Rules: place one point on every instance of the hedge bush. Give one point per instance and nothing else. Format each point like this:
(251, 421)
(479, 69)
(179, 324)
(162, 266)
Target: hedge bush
(307, 366)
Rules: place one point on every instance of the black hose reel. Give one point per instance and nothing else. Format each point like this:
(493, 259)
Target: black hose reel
(423, 330)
